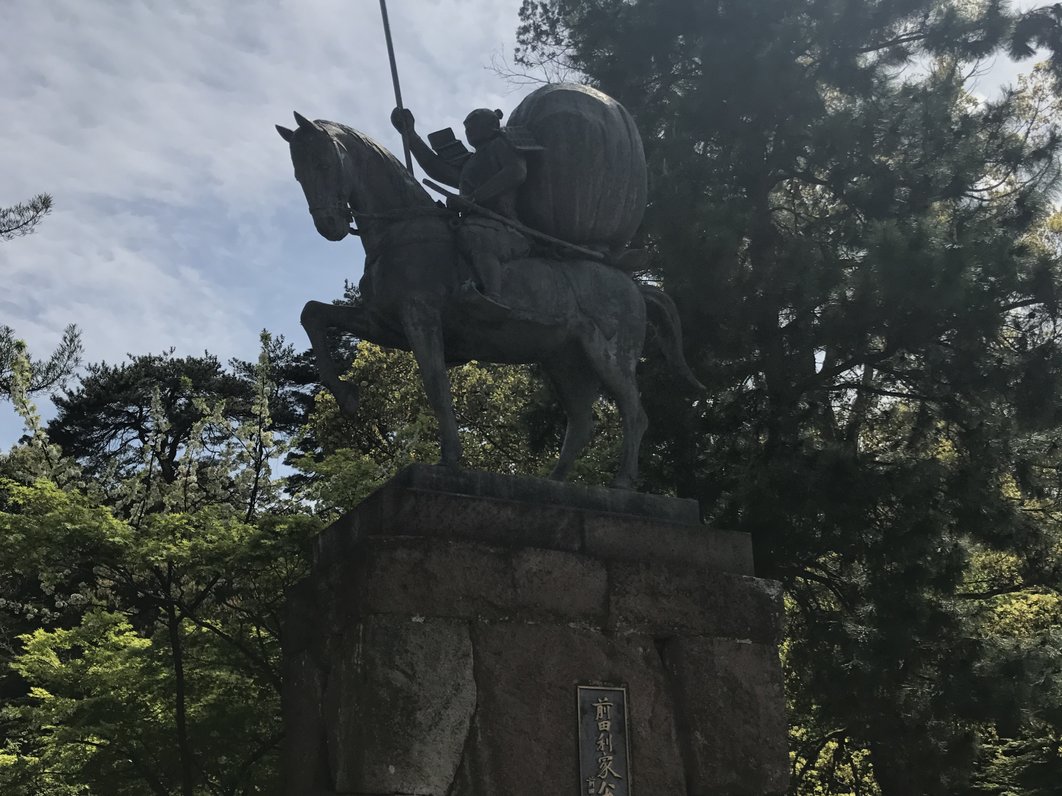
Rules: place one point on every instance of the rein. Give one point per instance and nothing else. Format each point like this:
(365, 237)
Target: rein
(402, 213)
(396, 215)
(396, 234)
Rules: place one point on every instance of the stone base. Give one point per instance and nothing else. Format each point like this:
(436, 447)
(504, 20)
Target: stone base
(436, 648)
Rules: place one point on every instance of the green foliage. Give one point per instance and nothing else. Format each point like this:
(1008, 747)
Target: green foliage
(128, 618)
(865, 262)
(37, 376)
(41, 376)
(508, 422)
(185, 432)
(140, 613)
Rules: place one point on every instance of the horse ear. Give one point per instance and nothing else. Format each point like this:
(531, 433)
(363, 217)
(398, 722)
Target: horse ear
(498, 113)
(285, 133)
(303, 121)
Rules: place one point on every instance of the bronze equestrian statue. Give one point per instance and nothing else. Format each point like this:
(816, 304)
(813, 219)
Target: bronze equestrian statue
(582, 320)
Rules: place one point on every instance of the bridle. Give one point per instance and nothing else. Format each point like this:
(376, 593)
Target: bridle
(340, 207)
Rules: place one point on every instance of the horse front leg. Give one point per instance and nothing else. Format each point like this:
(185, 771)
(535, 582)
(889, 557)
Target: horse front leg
(317, 318)
(422, 323)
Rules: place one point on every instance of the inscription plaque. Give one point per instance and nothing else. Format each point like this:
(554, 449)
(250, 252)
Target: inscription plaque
(604, 741)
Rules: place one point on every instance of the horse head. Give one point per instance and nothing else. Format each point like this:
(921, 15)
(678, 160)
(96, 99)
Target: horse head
(340, 169)
(320, 169)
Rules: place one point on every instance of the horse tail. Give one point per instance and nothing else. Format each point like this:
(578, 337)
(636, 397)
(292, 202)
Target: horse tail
(664, 318)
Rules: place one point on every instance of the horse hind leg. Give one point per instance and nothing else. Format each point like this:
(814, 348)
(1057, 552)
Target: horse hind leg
(577, 388)
(618, 375)
(422, 323)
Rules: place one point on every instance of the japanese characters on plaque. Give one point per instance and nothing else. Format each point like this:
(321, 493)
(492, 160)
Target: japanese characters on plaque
(604, 741)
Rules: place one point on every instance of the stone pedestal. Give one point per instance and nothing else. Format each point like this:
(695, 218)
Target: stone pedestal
(436, 648)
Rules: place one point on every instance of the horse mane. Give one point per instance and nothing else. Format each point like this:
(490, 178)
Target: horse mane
(407, 191)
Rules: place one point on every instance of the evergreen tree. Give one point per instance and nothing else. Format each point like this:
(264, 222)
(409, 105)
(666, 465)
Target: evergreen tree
(22, 218)
(43, 375)
(142, 416)
(16, 221)
(852, 238)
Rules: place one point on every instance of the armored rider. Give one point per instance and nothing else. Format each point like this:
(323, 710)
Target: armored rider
(489, 177)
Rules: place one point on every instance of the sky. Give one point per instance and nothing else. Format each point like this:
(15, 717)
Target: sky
(177, 221)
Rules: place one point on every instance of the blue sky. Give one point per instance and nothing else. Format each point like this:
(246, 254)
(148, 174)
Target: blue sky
(177, 220)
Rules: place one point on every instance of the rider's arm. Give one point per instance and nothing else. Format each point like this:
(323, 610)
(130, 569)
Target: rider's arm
(437, 168)
(508, 178)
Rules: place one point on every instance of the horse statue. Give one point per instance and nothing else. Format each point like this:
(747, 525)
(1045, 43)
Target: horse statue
(582, 321)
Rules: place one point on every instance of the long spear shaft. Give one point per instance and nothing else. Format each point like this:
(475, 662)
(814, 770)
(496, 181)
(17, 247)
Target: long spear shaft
(514, 224)
(394, 80)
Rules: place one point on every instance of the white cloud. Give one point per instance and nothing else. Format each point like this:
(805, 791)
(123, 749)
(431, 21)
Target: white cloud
(177, 221)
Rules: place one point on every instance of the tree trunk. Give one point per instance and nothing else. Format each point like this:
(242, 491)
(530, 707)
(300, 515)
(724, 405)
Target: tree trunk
(183, 749)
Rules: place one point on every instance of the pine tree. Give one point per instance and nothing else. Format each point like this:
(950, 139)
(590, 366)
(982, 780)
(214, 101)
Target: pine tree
(51, 374)
(157, 415)
(43, 375)
(22, 218)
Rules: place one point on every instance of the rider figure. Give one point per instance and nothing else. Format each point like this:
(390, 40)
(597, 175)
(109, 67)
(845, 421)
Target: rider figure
(490, 178)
